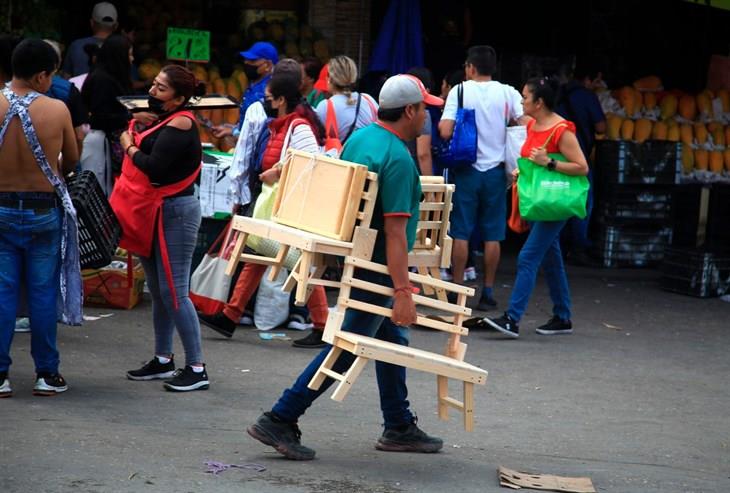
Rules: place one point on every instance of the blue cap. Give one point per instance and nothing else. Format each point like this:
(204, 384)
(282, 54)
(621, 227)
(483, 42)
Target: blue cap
(261, 50)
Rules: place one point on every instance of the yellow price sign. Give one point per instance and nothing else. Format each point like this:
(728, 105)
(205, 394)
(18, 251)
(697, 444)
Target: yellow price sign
(188, 44)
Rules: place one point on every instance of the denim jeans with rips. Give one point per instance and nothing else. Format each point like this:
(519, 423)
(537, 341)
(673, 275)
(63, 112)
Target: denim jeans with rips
(391, 378)
(30, 254)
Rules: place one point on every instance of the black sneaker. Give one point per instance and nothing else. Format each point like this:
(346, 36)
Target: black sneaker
(5, 390)
(555, 326)
(284, 437)
(185, 380)
(48, 384)
(505, 325)
(219, 323)
(412, 439)
(313, 340)
(153, 370)
(486, 303)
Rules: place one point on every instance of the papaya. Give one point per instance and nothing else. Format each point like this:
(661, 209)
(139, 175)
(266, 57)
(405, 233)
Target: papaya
(701, 159)
(231, 116)
(648, 83)
(642, 130)
(713, 126)
(216, 116)
(649, 101)
(716, 161)
(686, 134)
(700, 133)
(718, 137)
(688, 159)
(688, 107)
(638, 100)
(613, 127)
(704, 104)
(660, 131)
(725, 99)
(726, 158)
(673, 133)
(200, 72)
(627, 129)
(233, 89)
(218, 86)
(668, 106)
(627, 99)
(727, 135)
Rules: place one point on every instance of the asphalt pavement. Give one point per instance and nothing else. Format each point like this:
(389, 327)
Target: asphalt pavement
(637, 399)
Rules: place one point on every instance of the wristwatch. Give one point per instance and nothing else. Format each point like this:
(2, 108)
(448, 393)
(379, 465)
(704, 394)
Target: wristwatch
(552, 164)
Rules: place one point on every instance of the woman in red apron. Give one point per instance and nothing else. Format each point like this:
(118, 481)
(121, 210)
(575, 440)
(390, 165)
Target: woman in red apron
(160, 217)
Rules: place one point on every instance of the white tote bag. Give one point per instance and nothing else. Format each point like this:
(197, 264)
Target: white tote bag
(272, 304)
(209, 284)
(515, 139)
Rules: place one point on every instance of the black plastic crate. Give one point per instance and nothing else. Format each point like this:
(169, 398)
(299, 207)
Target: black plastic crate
(633, 245)
(694, 272)
(651, 162)
(99, 229)
(635, 202)
(689, 229)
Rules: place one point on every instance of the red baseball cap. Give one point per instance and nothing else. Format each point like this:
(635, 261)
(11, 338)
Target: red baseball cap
(401, 90)
(322, 82)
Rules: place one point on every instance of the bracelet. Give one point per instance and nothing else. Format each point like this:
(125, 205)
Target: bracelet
(408, 289)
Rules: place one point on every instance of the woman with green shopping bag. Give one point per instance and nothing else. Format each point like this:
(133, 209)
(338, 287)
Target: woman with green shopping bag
(554, 161)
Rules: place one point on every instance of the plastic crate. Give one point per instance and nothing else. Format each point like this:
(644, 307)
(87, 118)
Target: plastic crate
(688, 229)
(99, 230)
(651, 162)
(699, 273)
(635, 202)
(635, 245)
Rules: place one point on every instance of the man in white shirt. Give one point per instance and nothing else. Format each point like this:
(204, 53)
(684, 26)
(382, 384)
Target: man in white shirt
(480, 202)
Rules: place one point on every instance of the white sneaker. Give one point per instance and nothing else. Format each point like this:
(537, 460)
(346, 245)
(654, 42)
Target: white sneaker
(246, 320)
(5, 390)
(49, 385)
(446, 275)
(297, 322)
(22, 324)
(470, 274)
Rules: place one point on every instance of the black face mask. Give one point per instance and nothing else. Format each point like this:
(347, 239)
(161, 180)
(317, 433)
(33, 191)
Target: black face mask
(156, 105)
(270, 111)
(251, 71)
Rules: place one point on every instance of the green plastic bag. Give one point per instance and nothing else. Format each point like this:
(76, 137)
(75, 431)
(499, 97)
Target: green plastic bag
(550, 195)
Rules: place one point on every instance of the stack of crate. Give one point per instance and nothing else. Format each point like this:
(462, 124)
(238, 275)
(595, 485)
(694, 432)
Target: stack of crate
(634, 184)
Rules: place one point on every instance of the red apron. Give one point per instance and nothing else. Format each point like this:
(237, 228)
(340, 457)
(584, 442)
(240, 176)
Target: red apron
(137, 204)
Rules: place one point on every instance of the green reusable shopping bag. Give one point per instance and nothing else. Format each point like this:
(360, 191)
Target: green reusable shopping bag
(550, 195)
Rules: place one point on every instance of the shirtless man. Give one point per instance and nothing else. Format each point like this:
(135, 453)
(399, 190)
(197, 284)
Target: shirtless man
(31, 211)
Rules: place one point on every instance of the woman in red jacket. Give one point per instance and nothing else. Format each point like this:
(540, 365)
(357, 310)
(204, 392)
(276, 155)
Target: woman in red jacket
(160, 217)
(297, 127)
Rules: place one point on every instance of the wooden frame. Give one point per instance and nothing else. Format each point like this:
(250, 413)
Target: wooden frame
(319, 194)
(449, 365)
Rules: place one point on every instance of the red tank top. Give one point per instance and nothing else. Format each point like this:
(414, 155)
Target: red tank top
(538, 138)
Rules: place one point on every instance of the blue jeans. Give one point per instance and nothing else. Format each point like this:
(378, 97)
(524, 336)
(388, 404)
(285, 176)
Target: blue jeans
(542, 248)
(391, 378)
(181, 217)
(30, 253)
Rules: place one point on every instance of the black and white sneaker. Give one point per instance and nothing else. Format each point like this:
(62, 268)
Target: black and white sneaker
(5, 390)
(153, 370)
(185, 380)
(555, 326)
(298, 322)
(505, 325)
(49, 384)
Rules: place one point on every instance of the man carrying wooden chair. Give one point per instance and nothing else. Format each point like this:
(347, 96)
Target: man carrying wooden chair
(381, 147)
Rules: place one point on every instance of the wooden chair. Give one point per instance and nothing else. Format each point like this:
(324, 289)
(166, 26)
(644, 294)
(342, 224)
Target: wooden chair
(432, 249)
(451, 364)
(309, 230)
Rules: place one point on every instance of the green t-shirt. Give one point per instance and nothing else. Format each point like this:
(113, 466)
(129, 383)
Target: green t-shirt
(399, 186)
(315, 97)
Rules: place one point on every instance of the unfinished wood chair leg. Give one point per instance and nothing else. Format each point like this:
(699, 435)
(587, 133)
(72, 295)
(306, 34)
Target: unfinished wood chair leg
(280, 256)
(291, 281)
(442, 386)
(427, 290)
(305, 263)
(236, 253)
(325, 367)
(440, 292)
(349, 378)
(468, 406)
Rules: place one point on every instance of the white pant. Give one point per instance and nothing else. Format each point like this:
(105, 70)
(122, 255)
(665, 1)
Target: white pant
(96, 157)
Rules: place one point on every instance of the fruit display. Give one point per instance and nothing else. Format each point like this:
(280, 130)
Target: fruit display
(701, 122)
